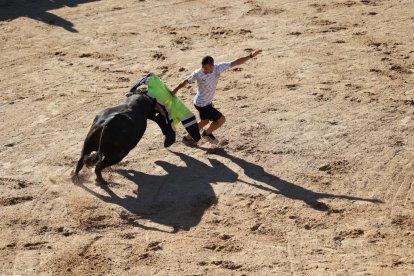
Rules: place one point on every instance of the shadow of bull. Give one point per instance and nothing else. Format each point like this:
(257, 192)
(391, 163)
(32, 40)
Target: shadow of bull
(179, 198)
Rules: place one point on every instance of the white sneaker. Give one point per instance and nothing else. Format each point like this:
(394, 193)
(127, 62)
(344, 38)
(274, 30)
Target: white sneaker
(210, 138)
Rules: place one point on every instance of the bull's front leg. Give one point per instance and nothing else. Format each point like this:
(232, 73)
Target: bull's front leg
(75, 177)
(99, 178)
(160, 110)
(79, 166)
(166, 129)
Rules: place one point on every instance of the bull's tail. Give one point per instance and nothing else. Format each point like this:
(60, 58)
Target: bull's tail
(93, 158)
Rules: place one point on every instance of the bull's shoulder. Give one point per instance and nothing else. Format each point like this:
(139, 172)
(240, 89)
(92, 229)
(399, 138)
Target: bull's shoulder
(139, 101)
(135, 98)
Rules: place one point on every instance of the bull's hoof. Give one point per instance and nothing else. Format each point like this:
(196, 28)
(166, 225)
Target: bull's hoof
(169, 140)
(76, 179)
(101, 182)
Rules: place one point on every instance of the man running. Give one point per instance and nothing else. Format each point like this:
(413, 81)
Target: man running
(207, 78)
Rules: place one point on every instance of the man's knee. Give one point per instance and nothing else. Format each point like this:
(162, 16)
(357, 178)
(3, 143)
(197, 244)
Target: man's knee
(222, 120)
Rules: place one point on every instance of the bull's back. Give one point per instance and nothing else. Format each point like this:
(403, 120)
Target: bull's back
(106, 115)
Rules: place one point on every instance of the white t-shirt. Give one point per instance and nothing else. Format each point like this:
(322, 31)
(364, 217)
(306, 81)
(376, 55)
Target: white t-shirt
(207, 83)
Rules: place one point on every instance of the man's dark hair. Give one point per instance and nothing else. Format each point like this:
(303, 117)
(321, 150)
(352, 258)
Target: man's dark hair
(207, 60)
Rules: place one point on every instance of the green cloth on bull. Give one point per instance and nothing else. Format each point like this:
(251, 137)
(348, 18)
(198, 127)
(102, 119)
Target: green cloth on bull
(178, 111)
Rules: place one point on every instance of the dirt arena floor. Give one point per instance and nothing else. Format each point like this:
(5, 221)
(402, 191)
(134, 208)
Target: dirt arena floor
(316, 173)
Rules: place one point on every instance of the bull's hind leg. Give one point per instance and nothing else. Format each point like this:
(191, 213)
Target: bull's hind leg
(106, 162)
(119, 136)
(91, 144)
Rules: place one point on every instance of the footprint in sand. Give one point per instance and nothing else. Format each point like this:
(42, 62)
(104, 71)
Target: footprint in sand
(14, 183)
(222, 10)
(318, 7)
(158, 56)
(34, 245)
(291, 86)
(346, 4)
(400, 69)
(334, 29)
(323, 22)
(226, 264)
(355, 233)
(259, 10)
(8, 201)
(219, 32)
(341, 166)
(360, 33)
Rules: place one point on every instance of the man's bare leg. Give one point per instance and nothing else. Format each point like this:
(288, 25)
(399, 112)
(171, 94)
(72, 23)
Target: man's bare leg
(215, 125)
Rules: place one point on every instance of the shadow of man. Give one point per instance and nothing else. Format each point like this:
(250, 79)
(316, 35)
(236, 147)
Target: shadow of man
(177, 199)
(38, 10)
(283, 187)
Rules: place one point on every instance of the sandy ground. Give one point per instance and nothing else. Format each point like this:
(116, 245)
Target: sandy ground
(317, 174)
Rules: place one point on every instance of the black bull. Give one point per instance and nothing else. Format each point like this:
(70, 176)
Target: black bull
(117, 130)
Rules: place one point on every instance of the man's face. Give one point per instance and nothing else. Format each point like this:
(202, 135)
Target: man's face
(207, 68)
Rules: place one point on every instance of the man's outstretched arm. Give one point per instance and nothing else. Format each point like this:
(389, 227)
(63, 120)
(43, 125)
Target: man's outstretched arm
(242, 60)
(179, 86)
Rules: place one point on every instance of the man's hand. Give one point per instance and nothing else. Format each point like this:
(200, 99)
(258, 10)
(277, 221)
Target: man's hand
(256, 53)
(242, 60)
(178, 87)
(174, 91)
